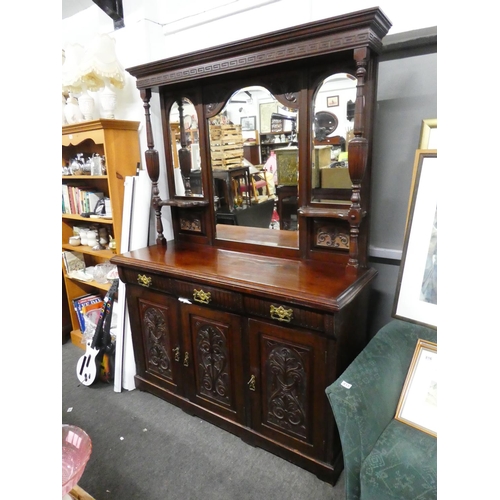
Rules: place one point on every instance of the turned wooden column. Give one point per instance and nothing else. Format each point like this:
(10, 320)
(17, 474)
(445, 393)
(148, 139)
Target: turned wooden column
(153, 167)
(358, 156)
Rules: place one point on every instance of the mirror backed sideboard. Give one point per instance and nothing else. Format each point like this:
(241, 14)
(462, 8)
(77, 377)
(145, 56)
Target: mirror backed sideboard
(233, 320)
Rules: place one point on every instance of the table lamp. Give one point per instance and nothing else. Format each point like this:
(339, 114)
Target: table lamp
(100, 69)
(71, 83)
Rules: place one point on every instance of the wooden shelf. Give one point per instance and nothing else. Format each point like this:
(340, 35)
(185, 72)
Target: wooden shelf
(327, 212)
(87, 220)
(93, 283)
(103, 254)
(76, 338)
(84, 177)
(118, 142)
(185, 202)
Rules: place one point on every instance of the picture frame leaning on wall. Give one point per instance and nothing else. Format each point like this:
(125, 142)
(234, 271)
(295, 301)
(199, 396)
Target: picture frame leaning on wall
(428, 134)
(427, 140)
(416, 291)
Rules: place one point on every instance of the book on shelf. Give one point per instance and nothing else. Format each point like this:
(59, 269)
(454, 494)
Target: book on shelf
(84, 304)
(65, 199)
(92, 198)
(78, 310)
(73, 261)
(79, 199)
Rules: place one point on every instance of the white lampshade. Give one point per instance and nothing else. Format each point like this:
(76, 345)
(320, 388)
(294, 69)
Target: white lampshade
(99, 65)
(71, 82)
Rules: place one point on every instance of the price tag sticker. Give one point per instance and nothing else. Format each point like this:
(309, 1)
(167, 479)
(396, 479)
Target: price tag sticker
(345, 384)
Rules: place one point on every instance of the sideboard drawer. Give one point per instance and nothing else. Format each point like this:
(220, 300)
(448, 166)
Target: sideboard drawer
(285, 314)
(208, 295)
(146, 279)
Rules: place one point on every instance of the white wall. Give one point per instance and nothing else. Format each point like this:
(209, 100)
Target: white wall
(156, 29)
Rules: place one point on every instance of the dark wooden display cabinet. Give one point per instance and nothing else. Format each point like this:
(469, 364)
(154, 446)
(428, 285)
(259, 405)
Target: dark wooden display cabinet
(246, 326)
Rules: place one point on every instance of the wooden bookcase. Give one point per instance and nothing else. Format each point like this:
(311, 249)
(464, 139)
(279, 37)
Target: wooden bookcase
(118, 142)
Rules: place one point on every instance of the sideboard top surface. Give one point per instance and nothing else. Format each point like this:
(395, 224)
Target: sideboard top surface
(327, 287)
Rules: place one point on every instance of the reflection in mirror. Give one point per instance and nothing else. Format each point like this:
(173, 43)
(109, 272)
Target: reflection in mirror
(246, 138)
(332, 131)
(183, 121)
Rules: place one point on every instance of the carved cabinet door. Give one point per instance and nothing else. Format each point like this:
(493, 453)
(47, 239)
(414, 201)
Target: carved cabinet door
(213, 360)
(287, 369)
(155, 335)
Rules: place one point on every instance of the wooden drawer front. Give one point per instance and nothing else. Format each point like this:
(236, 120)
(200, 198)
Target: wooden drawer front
(147, 280)
(207, 295)
(284, 314)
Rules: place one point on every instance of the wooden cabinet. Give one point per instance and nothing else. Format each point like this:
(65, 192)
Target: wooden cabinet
(246, 326)
(187, 350)
(251, 152)
(118, 142)
(288, 371)
(250, 353)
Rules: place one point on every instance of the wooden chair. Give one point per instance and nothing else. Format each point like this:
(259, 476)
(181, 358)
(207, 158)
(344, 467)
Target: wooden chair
(257, 181)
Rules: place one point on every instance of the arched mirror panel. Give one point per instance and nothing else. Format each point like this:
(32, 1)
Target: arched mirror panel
(247, 136)
(185, 144)
(332, 129)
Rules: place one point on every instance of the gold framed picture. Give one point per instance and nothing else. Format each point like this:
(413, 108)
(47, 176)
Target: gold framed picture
(418, 401)
(416, 290)
(428, 134)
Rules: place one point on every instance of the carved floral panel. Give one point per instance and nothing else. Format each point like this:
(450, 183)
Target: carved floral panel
(287, 388)
(156, 340)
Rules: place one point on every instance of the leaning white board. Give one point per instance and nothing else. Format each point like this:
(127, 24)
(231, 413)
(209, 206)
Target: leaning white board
(135, 230)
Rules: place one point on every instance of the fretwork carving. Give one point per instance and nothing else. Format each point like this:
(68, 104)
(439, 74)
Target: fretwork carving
(330, 236)
(156, 336)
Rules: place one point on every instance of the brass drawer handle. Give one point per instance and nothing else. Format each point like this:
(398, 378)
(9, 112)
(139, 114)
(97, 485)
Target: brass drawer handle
(144, 280)
(281, 314)
(201, 296)
(177, 355)
(251, 383)
(186, 359)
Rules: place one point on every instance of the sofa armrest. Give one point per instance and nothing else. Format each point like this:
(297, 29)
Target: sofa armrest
(365, 396)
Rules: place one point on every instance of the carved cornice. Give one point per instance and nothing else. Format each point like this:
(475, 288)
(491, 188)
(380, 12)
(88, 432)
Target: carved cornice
(360, 29)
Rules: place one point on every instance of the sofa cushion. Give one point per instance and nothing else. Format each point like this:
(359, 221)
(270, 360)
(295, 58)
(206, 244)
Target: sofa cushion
(402, 465)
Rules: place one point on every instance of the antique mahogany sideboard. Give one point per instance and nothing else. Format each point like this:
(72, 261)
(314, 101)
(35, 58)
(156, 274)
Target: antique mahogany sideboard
(243, 326)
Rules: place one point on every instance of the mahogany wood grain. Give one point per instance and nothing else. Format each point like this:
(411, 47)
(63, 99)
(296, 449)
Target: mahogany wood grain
(243, 326)
(300, 282)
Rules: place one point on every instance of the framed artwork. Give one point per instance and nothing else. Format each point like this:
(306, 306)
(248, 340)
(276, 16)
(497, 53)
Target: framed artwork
(277, 125)
(418, 401)
(332, 101)
(247, 123)
(266, 109)
(416, 292)
(428, 134)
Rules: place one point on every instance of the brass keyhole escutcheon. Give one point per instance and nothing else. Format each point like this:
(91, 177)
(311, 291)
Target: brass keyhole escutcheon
(251, 383)
(186, 359)
(201, 296)
(177, 354)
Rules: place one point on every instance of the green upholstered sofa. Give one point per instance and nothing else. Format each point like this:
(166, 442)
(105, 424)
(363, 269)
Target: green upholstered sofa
(383, 457)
